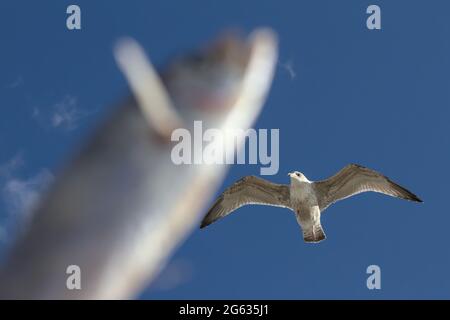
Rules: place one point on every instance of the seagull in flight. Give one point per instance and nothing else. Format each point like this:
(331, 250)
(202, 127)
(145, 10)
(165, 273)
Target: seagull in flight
(306, 198)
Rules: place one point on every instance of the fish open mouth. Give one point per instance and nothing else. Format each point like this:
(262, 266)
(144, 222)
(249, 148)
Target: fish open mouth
(214, 78)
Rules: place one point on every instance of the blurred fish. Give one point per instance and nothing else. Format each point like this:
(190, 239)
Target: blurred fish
(121, 206)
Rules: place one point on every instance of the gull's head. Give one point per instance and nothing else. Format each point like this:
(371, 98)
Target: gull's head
(297, 176)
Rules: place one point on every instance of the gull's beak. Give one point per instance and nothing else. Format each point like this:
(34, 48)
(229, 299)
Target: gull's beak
(289, 174)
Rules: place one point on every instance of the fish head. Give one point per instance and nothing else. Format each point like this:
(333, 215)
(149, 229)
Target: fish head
(209, 79)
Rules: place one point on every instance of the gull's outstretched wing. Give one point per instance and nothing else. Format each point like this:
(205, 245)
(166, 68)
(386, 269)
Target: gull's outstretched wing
(248, 190)
(354, 179)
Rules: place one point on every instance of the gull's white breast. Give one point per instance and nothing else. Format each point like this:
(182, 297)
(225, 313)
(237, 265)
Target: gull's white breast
(302, 194)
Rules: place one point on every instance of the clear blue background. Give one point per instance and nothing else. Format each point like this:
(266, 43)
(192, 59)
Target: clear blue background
(377, 98)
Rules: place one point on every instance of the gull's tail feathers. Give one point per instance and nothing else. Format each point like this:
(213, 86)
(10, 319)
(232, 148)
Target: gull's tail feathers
(314, 234)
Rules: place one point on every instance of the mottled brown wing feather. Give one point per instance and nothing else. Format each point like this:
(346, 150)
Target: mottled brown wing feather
(248, 190)
(354, 179)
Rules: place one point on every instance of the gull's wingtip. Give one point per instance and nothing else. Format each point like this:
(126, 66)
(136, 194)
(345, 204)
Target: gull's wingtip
(204, 224)
(411, 196)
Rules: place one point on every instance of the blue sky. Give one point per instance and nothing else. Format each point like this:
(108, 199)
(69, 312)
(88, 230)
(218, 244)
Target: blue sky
(377, 98)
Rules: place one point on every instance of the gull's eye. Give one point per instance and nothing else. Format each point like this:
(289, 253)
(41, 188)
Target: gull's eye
(298, 174)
